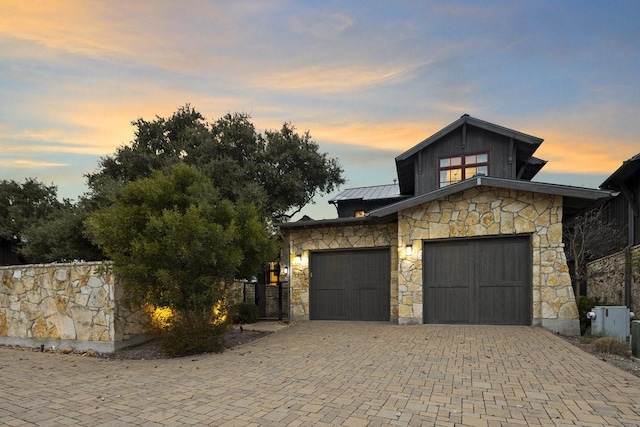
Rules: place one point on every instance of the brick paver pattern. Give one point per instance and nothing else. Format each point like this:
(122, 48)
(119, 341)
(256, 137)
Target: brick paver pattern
(332, 373)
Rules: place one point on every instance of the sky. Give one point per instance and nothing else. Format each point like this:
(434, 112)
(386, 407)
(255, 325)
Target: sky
(367, 79)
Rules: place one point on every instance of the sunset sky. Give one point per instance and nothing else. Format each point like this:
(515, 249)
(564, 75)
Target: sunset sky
(368, 79)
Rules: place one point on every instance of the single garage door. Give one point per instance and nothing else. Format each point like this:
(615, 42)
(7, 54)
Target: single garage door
(478, 281)
(350, 285)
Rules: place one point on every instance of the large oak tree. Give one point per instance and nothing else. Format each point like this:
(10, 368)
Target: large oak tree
(280, 171)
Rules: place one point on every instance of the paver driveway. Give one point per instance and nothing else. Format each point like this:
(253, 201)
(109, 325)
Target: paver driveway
(333, 373)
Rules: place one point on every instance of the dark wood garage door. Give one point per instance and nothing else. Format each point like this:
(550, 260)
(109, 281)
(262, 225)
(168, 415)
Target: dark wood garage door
(350, 285)
(478, 281)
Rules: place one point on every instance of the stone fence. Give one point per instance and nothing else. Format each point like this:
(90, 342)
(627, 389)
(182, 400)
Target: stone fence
(77, 305)
(606, 279)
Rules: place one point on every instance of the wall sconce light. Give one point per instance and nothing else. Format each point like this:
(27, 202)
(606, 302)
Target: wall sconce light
(298, 258)
(409, 250)
(284, 271)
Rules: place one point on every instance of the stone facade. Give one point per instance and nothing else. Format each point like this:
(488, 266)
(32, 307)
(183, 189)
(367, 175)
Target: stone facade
(606, 279)
(66, 305)
(480, 211)
(485, 211)
(349, 237)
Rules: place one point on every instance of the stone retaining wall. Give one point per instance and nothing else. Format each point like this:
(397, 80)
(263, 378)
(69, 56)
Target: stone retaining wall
(606, 277)
(66, 305)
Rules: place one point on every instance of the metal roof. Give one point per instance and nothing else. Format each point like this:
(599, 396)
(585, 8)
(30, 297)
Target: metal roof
(376, 192)
(623, 173)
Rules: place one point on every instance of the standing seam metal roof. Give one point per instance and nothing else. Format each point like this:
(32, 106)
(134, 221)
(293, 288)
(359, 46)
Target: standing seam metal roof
(377, 192)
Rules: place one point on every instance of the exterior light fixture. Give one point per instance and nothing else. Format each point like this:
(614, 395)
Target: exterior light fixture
(298, 258)
(284, 271)
(409, 250)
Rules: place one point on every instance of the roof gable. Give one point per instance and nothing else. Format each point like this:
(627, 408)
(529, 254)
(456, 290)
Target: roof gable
(533, 141)
(522, 145)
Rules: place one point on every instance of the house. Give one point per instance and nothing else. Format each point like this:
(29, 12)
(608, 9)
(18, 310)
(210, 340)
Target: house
(613, 275)
(464, 237)
(624, 209)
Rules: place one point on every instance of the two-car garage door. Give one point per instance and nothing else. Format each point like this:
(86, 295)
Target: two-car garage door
(465, 281)
(350, 285)
(478, 281)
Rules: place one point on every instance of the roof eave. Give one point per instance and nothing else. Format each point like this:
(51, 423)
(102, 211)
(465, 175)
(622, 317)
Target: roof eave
(329, 222)
(628, 168)
(511, 184)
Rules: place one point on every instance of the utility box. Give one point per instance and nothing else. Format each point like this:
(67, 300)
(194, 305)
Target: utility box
(611, 321)
(635, 338)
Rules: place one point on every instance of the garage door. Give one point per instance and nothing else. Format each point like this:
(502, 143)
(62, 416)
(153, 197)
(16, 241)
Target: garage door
(478, 281)
(350, 285)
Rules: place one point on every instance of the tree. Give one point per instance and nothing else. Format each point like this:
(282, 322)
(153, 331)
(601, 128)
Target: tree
(280, 171)
(21, 205)
(60, 236)
(586, 237)
(174, 241)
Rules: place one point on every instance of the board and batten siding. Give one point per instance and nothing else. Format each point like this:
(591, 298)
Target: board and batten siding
(478, 141)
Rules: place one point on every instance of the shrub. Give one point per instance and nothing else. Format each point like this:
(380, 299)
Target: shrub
(585, 304)
(192, 332)
(246, 312)
(611, 345)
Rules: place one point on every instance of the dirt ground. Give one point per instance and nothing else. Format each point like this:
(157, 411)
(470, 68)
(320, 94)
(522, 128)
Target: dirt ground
(233, 337)
(626, 363)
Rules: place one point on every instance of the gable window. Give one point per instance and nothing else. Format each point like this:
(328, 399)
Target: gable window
(458, 168)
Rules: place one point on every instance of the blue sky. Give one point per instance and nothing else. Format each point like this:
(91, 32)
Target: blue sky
(367, 79)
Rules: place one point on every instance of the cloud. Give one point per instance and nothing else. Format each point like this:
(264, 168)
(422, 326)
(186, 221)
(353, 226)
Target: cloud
(335, 78)
(320, 24)
(27, 164)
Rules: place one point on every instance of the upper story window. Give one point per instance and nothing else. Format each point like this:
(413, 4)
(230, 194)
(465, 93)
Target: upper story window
(458, 168)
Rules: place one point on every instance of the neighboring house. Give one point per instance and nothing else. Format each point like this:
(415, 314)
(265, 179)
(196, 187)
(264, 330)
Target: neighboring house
(464, 237)
(624, 209)
(614, 276)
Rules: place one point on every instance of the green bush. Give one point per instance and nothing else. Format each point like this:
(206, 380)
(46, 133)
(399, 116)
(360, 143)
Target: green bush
(193, 332)
(585, 304)
(611, 345)
(246, 312)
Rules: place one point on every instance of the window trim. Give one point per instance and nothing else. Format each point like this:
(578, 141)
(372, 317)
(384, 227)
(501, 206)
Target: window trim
(462, 166)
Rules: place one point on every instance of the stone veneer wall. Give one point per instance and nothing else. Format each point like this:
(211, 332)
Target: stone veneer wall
(314, 239)
(605, 279)
(485, 211)
(66, 305)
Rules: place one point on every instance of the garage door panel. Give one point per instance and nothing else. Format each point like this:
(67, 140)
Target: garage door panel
(448, 273)
(495, 272)
(447, 305)
(497, 306)
(359, 281)
(331, 302)
(370, 304)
